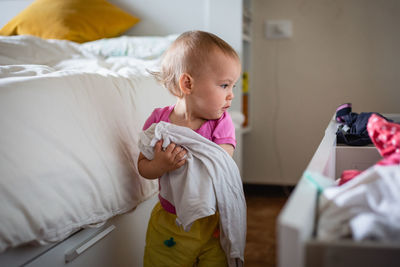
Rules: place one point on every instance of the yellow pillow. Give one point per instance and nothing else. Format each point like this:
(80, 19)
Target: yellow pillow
(74, 20)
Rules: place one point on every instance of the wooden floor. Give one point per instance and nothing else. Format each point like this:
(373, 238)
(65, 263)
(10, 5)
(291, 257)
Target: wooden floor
(263, 206)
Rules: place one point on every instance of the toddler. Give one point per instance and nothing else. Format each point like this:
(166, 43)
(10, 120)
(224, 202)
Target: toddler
(201, 70)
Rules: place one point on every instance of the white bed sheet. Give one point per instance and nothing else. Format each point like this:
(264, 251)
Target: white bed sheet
(69, 120)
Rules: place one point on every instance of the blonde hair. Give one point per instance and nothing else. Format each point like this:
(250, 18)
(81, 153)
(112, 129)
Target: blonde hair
(187, 54)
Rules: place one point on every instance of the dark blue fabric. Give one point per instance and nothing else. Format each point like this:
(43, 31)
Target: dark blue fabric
(357, 135)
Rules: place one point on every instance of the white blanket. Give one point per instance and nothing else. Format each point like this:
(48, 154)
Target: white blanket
(208, 181)
(367, 207)
(33, 56)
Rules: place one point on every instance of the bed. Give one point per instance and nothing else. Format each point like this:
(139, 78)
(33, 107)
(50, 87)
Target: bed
(71, 112)
(299, 223)
(70, 121)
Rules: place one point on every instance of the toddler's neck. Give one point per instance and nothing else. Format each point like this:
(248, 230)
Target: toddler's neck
(181, 116)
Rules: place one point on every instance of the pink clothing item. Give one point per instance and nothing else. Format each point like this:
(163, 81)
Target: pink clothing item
(390, 160)
(347, 175)
(386, 138)
(220, 131)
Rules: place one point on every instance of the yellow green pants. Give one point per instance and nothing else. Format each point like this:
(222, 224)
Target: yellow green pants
(167, 244)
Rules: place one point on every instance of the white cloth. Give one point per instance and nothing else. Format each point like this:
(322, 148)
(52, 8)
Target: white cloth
(210, 179)
(367, 207)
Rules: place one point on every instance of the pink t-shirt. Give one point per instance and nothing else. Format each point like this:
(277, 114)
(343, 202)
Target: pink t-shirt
(220, 131)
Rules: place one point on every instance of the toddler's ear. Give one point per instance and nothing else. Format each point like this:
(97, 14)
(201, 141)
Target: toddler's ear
(186, 84)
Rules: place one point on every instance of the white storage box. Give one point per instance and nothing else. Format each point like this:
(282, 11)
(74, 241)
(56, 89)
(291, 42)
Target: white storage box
(297, 245)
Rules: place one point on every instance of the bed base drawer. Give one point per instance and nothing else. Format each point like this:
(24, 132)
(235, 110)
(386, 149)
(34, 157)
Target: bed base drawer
(349, 253)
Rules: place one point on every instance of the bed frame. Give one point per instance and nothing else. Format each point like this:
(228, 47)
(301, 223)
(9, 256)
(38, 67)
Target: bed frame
(120, 241)
(296, 225)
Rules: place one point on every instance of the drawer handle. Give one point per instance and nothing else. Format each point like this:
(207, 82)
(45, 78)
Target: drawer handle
(75, 252)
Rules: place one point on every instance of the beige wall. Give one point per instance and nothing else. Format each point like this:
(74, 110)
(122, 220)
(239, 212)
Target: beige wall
(341, 51)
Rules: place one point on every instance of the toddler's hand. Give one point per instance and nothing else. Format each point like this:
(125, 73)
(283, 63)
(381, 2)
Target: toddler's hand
(169, 159)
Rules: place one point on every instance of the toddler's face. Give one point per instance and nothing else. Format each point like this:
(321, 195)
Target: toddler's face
(212, 87)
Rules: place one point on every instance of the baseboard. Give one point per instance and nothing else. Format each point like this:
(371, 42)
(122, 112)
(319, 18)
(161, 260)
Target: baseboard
(267, 190)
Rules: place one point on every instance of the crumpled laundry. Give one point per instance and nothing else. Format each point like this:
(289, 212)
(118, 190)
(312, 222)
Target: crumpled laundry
(367, 206)
(385, 135)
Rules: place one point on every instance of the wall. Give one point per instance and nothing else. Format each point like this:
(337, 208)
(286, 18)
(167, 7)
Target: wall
(341, 51)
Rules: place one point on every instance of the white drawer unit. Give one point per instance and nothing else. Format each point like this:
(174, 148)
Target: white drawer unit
(119, 242)
(297, 245)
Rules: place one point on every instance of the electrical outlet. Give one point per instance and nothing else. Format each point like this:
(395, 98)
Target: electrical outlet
(278, 29)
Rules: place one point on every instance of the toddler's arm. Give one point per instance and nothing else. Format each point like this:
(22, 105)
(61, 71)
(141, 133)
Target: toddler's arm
(164, 161)
(228, 148)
